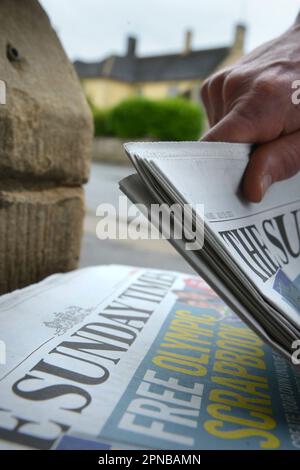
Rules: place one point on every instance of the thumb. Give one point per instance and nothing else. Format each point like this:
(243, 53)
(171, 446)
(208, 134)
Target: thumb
(234, 127)
(271, 162)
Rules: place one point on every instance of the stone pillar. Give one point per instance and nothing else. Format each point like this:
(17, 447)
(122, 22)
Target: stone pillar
(45, 146)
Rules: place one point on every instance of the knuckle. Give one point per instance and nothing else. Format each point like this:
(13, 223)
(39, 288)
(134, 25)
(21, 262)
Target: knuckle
(214, 83)
(204, 92)
(272, 82)
(233, 81)
(217, 80)
(204, 86)
(266, 86)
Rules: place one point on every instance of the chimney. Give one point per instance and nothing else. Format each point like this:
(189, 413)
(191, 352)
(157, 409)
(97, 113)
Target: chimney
(131, 46)
(239, 38)
(187, 47)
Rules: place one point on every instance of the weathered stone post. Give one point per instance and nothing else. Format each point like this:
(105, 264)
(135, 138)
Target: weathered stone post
(45, 144)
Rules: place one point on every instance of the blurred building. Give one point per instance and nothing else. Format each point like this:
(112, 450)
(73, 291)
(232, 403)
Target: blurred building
(115, 78)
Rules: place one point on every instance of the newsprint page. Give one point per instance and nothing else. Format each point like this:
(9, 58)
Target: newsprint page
(248, 253)
(118, 357)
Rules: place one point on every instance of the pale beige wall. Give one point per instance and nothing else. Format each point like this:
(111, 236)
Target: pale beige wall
(104, 93)
(158, 90)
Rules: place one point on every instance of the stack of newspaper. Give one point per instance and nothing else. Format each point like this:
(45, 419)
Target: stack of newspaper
(248, 253)
(116, 357)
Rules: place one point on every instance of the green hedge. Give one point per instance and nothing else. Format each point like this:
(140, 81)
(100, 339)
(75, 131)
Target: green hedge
(131, 118)
(101, 122)
(168, 119)
(176, 119)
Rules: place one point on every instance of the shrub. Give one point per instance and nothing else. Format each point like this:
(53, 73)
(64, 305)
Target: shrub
(132, 118)
(101, 122)
(168, 119)
(177, 119)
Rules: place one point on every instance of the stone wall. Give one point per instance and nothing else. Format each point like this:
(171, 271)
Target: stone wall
(45, 145)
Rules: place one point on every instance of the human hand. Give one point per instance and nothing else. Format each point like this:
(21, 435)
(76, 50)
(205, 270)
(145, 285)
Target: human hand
(252, 102)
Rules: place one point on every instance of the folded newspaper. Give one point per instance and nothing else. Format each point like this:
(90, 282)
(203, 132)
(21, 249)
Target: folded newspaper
(251, 252)
(118, 357)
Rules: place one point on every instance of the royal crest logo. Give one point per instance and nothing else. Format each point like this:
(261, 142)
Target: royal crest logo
(63, 321)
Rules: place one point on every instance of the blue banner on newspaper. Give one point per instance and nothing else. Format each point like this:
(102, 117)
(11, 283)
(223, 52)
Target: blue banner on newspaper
(288, 289)
(208, 382)
(69, 442)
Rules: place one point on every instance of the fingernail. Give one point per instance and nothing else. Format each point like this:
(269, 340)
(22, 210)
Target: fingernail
(265, 183)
